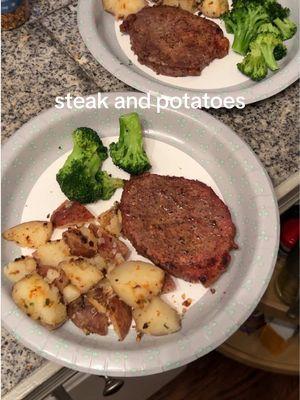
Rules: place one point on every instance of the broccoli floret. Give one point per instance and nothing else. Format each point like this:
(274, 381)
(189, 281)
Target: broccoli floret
(109, 184)
(254, 64)
(275, 10)
(128, 153)
(269, 28)
(287, 27)
(244, 21)
(267, 43)
(78, 176)
(280, 51)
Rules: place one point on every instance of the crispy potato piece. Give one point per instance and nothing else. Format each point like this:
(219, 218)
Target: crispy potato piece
(40, 301)
(99, 262)
(157, 318)
(81, 273)
(136, 282)
(169, 284)
(214, 8)
(53, 275)
(30, 234)
(103, 298)
(122, 8)
(71, 213)
(188, 5)
(79, 244)
(70, 293)
(111, 220)
(87, 318)
(52, 253)
(18, 269)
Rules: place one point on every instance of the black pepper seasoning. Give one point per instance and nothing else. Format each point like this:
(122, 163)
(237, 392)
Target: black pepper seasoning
(14, 13)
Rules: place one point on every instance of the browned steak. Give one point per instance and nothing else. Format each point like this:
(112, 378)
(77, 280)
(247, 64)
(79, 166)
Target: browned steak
(173, 41)
(181, 225)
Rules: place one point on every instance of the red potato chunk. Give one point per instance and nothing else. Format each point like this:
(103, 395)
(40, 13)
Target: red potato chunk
(71, 213)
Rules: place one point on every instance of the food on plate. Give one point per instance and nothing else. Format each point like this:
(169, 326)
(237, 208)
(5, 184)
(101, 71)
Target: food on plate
(71, 213)
(79, 244)
(53, 275)
(154, 36)
(70, 293)
(18, 269)
(52, 253)
(40, 301)
(85, 316)
(214, 8)
(157, 318)
(122, 8)
(81, 273)
(111, 220)
(104, 299)
(136, 282)
(110, 247)
(128, 153)
(30, 234)
(169, 284)
(188, 5)
(81, 178)
(186, 229)
(259, 31)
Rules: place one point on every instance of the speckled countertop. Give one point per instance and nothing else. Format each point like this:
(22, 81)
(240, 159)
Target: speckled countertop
(46, 58)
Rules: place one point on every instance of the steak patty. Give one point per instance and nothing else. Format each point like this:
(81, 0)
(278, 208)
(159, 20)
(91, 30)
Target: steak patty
(174, 42)
(181, 225)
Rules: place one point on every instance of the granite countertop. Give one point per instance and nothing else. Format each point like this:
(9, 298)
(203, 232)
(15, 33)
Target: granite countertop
(46, 58)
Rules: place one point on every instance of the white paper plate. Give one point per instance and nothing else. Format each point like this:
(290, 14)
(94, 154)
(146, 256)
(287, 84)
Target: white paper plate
(190, 144)
(221, 78)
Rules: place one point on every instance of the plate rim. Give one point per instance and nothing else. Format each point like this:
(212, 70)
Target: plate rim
(264, 89)
(206, 120)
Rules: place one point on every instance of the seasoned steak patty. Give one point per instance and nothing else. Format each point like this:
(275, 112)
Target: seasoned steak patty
(174, 42)
(181, 225)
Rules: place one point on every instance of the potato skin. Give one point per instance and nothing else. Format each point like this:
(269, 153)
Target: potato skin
(18, 269)
(214, 8)
(30, 234)
(188, 5)
(122, 8)
(52, 253)
(39, 301)
(157, 318)
(81, 273)
(136, 282)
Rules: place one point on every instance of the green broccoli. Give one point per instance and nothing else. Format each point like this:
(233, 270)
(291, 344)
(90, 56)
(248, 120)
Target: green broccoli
(78, 176)
(280, 51)
(267, 43)
(269, 28)
(109, 184)
(243, 21)
(287, 27)
(128, 153)
(254, 64)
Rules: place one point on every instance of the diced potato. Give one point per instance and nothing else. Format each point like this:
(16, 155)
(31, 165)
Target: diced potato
(188, 5)
(122, 8)
(30, 234)
(70, 293)
(135, 282)
(82, 274)
(111, 220)
(70, 213)
(52, 253)
(99, 262)
(39, 300)
(18, 269)
(79, 244)
(157, 318)
(214, 8)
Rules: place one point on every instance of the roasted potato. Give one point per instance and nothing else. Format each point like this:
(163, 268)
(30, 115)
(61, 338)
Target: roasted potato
(111, 220)
(52, 253)
(30, 234)
(188, 5)
(71, 213)
(214, 8)
(136, 282)
(70, 293)
(53, 275)
(169, 284)
(156, 318)
(122, 8)
(18, 269)
(103, 298)
(79, 244)
(40, 301)
(81, 273)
